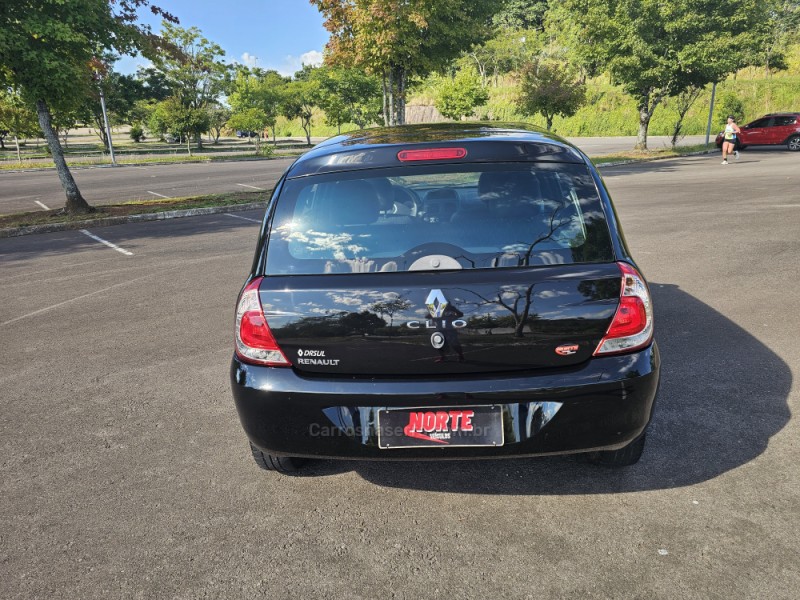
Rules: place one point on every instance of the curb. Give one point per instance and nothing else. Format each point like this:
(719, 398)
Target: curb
(633, 161)
(10, 232)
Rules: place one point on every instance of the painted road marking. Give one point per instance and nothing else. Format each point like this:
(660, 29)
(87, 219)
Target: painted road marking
(42, 205)
(159, 195)
(243, 218)
(252, 187)
(106, 242)
(47, 308)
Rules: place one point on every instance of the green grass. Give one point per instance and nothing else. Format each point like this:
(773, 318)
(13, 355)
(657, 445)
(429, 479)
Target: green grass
(635, 156)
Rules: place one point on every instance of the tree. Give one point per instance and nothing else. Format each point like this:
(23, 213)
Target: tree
(398, 39)
(776, 33)
(45, 50)
(64, 120)
(258, 89)
(458, 97)
(194, 73)
(155, 86)
(250, 119)
(171, 116)
(549, 88)
(656, 49)
(299, 99)
(505, 53)
(521, 14)
(121, 93)
(729, 103)
(16, 119)
(683, 102)
(391, 305)
(218, 117)
(348, 95)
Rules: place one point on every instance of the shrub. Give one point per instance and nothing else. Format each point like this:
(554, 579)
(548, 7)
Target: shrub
(137, 132)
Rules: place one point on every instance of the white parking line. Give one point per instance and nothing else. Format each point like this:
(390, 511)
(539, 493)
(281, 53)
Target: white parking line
(42, 205)
(46, 308)
(106, 242)
(159, 195)
(243, 218)
(252, 186)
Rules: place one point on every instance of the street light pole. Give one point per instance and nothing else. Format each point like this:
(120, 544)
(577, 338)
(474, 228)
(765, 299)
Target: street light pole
(105, 121)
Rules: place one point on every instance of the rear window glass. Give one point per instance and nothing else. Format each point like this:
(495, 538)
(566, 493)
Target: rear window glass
(441, 217)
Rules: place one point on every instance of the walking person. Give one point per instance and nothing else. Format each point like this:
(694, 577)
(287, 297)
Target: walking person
(729, 141)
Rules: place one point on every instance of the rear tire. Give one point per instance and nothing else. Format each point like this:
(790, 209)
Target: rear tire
(287, 465)
(793, 143)
(624, 457)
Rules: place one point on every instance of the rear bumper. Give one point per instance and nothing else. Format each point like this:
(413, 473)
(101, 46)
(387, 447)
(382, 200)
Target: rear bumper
(603, 404)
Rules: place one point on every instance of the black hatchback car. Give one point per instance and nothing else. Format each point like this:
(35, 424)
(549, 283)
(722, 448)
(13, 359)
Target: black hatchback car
(443, 292)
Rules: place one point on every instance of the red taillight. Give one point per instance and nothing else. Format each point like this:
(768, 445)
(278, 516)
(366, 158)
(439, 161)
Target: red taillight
(254, 341)
(632, 326)
(432, 154)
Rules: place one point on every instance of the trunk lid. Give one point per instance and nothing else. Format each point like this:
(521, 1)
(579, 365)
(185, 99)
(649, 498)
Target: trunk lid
(442, 323)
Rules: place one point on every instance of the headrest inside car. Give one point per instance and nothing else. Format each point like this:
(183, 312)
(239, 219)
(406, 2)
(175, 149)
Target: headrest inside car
(346, 203)
(507, 185)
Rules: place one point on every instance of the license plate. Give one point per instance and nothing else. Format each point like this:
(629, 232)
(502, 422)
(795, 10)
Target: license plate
(440, 427)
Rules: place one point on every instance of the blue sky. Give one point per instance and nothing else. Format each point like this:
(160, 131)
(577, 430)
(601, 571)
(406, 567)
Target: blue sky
(271, 34)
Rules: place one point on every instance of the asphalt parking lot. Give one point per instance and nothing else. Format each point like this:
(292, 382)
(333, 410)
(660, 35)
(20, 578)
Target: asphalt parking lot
(125, 473)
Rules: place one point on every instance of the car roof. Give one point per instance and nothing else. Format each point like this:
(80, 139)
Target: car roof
(484, 142)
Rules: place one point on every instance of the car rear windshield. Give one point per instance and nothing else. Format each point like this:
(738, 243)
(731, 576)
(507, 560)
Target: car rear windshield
(469, 216)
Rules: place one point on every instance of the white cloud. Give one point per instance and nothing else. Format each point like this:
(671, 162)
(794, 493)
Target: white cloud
(292, 64)
(313, 58)
(249, 60)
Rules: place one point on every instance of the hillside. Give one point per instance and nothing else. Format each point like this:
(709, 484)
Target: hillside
(610, 112)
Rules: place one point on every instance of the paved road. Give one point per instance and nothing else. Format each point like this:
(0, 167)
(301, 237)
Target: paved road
(125, 473)
(21, 190)
(29, 190)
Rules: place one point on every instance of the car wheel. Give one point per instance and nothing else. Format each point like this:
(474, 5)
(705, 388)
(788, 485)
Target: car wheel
(624, 457)
(281, 464)
(794, 143)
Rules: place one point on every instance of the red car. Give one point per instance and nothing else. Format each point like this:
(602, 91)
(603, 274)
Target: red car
(777, 128)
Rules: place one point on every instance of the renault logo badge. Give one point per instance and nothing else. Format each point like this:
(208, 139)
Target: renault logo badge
(436, 303)
(437, 340)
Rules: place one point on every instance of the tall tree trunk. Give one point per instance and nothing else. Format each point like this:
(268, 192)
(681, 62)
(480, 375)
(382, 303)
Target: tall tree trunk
(402, 77)
(75, 202)
(188, 143)
(19, 154)
(385, 101)
(306, 124)
(647, 105)
(644, 124)
(390, 99)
